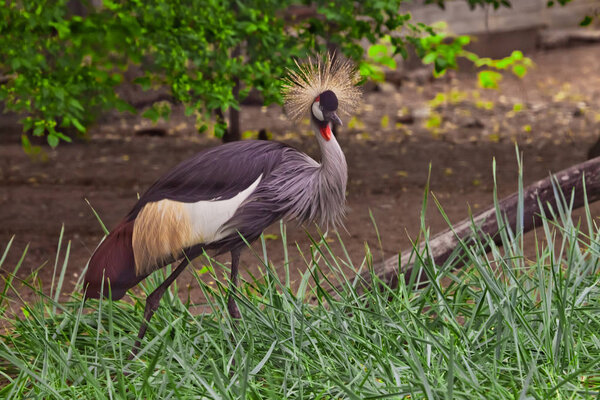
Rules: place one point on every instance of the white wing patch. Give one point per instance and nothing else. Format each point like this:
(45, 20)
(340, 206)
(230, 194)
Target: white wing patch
(208, 216)
(163, 228)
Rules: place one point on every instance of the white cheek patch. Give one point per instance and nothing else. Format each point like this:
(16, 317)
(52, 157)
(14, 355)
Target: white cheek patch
(316, 110)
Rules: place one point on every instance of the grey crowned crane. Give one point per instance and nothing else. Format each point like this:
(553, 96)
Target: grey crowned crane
(212, 200)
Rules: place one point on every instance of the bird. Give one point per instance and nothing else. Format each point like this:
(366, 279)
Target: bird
(224, 197)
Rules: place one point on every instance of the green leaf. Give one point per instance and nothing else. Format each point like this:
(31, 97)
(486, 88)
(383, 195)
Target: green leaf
(517, 55)
(388, 62)
(15, 63)
(78, 125)
(62, 136)
(371, 71)
(144, 82)
(205, 269)
(52, 140)
(463, 40)
(189, 110)
(123, 106)
(489, 79)
(377, 51)
(25, 143)
(39, 130)
(440, 64)
(62, 29)
(429, 58)
(152, 114)
(586, 21)
(165, 112)
(73, 102)
(116, 78)
(219, 130)
(519, 70)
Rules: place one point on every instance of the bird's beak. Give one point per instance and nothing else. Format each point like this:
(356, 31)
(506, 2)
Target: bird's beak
(332, 116)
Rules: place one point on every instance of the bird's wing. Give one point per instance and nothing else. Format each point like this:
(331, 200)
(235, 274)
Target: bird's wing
(217, 173)
(189, 204)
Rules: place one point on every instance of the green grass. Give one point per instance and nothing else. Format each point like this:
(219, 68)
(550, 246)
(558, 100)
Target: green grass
(504, 327)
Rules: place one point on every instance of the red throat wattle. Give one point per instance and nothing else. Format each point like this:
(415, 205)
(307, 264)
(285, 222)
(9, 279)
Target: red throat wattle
(326, 132)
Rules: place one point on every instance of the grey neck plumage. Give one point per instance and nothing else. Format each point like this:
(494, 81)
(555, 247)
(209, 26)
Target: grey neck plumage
(305, 190)
(331, 181)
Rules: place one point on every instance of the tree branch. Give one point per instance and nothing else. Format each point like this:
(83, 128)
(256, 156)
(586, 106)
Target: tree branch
(541, 192)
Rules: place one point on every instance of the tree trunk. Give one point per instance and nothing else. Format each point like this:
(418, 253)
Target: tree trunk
(542, 192)
(233, 129)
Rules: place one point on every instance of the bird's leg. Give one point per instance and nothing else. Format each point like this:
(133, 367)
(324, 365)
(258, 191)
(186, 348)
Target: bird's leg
(231, 306)
(152, 303)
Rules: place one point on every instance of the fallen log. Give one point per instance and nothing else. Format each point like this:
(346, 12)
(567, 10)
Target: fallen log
(442, 245)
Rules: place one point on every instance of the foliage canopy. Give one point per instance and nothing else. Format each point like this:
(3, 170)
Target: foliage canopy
(61, 60)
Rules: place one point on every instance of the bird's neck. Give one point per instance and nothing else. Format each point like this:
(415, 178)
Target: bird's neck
(333, 175)
(333, 160)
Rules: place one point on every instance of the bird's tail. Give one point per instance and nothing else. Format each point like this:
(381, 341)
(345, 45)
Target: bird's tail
(112, 265)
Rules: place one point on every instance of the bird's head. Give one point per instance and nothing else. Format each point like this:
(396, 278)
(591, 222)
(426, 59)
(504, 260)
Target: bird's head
(322, 87)
(323, 112)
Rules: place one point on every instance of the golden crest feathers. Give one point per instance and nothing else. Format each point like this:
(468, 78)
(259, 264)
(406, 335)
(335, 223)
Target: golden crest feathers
(301, 87)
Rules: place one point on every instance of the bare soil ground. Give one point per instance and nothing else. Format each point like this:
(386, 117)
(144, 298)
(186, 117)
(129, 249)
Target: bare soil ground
(553, 115)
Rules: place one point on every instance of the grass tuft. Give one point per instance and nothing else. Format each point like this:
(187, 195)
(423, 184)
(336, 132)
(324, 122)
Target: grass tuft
(506, 326)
